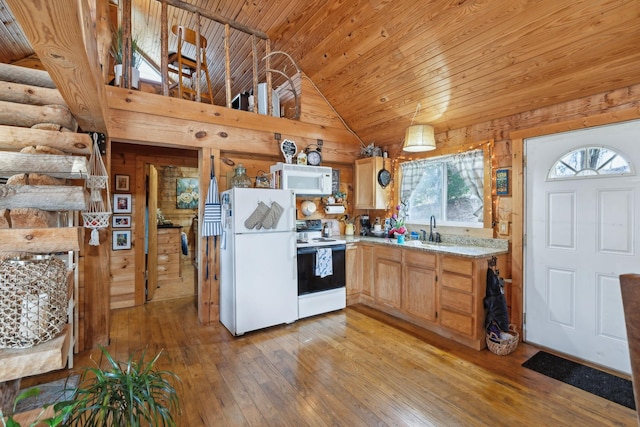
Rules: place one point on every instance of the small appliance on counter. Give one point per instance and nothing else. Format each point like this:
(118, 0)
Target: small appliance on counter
(365, 225)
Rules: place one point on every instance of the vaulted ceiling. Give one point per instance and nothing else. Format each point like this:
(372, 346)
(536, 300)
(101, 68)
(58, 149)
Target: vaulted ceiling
(463, 61)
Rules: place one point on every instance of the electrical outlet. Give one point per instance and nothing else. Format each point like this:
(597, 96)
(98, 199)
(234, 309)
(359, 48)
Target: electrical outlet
(503, 227)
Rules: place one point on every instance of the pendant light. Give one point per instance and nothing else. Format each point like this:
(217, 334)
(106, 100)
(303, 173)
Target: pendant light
(419, 137)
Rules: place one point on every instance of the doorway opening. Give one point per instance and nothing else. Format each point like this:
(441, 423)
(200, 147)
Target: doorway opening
(162, 222)
(173, 194)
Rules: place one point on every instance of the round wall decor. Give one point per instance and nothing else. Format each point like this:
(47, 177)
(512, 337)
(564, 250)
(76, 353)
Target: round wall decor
(384, 178)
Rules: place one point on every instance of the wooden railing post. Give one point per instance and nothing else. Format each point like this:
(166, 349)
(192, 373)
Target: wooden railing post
(227, 64)
(164, 48)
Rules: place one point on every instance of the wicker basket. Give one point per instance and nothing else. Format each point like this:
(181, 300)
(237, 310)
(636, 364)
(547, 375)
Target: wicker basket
(503, 347)
(33, 300)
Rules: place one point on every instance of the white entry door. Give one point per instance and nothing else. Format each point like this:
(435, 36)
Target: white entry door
(582, 199)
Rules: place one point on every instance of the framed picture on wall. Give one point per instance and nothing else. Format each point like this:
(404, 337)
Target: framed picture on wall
(122, 203)
(122, 183)
(187, 193)
(502, 182)
(121, 239)
(121, 221)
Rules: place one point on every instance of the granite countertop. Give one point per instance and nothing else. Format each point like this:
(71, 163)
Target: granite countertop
(470, 247)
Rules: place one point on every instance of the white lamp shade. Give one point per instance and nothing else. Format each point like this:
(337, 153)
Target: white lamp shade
(419, 138)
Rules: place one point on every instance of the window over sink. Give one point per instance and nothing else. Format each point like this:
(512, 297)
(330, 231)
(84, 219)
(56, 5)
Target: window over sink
(449, 187)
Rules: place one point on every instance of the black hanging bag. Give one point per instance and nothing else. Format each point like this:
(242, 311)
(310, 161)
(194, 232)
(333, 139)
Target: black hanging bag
(495, 303)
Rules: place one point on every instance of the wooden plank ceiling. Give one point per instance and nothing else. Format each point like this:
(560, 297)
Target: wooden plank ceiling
(465, 62)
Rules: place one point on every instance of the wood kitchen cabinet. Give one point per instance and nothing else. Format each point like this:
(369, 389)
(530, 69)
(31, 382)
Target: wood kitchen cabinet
(419, 284)
(369, 194)
(353, 263)
(366, 274)
(169, 254)
(440, 292)
(462, 290)
(387, 276)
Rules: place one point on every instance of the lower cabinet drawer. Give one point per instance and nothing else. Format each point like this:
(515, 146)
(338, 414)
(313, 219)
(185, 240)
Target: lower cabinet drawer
(458, 301)
(456, 321)
(457, 281)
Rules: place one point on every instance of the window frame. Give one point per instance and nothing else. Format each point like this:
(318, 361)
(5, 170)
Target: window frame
(578, 173)
(487, 147)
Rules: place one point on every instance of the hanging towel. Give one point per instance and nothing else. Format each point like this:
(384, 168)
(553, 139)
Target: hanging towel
(324, 262)
(185, 243)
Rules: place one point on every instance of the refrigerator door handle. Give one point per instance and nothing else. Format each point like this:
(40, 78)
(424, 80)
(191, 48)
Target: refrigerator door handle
(294, 255)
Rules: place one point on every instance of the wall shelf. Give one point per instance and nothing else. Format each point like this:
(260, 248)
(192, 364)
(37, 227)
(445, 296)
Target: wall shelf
(49, 356)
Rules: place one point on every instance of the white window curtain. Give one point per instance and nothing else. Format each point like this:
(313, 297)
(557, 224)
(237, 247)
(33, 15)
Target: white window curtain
(411, 174)
(470, 166)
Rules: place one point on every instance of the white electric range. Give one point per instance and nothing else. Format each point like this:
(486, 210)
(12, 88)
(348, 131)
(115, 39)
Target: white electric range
(319, 292)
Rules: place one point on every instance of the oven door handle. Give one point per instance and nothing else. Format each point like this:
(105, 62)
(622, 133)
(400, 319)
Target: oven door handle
(309, 250)
(314, 249)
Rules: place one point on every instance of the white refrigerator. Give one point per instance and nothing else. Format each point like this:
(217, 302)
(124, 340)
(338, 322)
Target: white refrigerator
(258, 268)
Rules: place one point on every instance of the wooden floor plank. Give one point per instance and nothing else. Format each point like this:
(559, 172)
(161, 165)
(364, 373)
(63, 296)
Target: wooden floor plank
(354, 367)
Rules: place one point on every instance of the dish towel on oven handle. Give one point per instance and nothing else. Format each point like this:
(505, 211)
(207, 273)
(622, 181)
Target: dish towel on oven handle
(324, 262)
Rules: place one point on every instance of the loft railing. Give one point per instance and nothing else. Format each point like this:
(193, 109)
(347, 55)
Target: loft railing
(199, 14)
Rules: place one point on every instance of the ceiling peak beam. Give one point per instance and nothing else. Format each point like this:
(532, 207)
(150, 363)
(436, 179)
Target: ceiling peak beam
(218, 18)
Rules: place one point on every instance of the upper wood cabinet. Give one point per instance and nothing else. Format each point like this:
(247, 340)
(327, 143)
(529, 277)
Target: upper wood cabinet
(369, 193)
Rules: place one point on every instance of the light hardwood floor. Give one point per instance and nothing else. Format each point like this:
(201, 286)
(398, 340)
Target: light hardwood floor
(355, 367)
(172, 289)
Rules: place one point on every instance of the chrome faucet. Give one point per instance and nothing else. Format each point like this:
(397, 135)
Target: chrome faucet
(432, 226)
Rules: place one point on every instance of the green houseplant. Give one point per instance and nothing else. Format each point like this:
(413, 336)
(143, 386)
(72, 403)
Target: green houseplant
(132, 393)
(117, 52)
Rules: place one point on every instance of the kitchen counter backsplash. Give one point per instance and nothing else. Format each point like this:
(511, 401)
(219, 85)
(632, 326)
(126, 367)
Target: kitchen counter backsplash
(475, 241)
(453, 244)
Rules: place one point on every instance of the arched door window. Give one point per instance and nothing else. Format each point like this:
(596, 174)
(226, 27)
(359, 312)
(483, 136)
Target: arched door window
(590, 162)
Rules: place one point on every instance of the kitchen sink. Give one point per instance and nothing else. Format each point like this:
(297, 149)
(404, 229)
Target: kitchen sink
(423, 244)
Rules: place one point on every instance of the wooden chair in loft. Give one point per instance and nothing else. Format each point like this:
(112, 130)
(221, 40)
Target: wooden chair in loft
(186, 67)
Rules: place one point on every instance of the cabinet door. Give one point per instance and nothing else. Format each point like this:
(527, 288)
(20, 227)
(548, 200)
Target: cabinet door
(367, 269)
(369, 194)
(388, 282)
(365, 190)
(353, 260)
(388, 276)
(419, 285)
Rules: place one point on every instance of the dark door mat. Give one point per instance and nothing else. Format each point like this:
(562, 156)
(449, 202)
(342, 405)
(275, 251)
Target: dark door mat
(608, 386)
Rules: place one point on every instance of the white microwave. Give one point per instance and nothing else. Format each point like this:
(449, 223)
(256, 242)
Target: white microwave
(304, 180)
